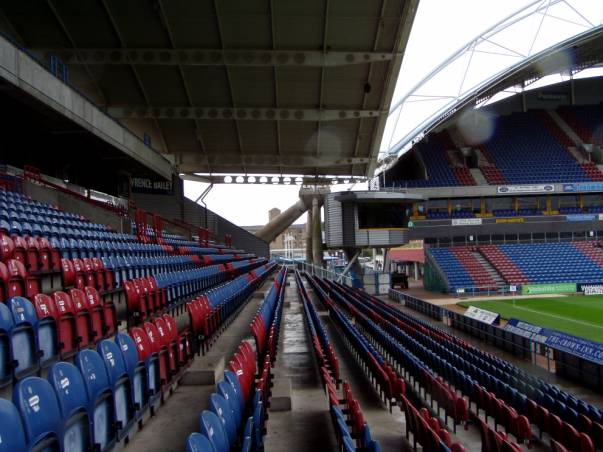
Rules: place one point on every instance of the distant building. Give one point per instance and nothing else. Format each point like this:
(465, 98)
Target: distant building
(295, 234)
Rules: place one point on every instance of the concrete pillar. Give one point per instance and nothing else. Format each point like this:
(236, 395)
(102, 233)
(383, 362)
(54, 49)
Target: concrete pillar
(309, 224)
(416, 271)
(316, 233)
(276, 226)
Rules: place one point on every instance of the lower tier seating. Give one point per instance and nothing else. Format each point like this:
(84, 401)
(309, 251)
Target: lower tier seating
(519, 263)
(345, 410)
(237, 415)
(523, 408)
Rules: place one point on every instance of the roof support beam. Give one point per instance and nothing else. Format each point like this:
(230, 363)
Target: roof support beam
(241, 114)
(218, 57)
(194, 162)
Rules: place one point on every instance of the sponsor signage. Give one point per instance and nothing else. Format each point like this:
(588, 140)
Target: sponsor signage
(526, 330)
(581, 217)
(489, 317)
(591, 289)
(577, 346)
(151, 186)
(466, 222)
(535, 289)
(583, 186)
(511, 220)
(534, 188)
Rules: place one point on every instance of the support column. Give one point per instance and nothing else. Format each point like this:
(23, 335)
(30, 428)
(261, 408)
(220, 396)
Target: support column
(416, 271)
(309, 224)
(316, 233)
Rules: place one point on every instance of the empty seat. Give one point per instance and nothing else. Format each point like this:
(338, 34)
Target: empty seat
(196, 442)
(220, 406)
(135, 368)
(69, 387)
(100, 398)
(68, 334)
(119, 380)
(12, 435)
(24, 340)
(211, 426)
(37, 403)
(48, 336)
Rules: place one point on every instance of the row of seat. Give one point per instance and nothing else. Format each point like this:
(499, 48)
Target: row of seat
(358, 437)
(236, 415)
(427, 430)
(89, 405)
(491, 383)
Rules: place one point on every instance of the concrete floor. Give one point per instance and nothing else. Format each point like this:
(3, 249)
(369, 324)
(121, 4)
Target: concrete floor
(307, 427)
(179, 415)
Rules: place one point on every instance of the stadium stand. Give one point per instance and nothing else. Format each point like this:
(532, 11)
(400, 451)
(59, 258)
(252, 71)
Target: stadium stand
(68, 286)
(536, 263)
(237, 414)
(514, 400)
(525, 148)
(360, 434)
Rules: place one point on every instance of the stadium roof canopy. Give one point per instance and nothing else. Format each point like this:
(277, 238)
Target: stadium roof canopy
(231, 86)
(546, 37)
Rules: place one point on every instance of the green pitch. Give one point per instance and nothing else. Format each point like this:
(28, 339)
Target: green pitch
(578, 315)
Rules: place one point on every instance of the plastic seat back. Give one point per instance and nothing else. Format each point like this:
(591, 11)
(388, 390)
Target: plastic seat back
(119, 379)
(24, 337)
(12, 435)
(37, 403)
(211, 426)
(100, 397)
(196, 442)
(69, 387)
(48, 335)
(220, 406)
(134, 367)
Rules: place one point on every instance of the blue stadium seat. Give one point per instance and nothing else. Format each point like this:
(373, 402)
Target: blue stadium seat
(211, 426)
(6, 360)
(100, 397)
(231, 378)
(68, 385)
(12, 435)
(37, 403)
(226, 390)
(119, 381)
(196, 442)
(24, 341)
(220, 406)
(135, 368)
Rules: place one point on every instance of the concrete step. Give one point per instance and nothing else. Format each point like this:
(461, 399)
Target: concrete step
(489, 268)
(565, 127)
(478, 176)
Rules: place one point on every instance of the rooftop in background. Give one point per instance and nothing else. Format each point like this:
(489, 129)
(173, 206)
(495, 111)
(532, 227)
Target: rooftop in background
(544, 38)
(233, 87)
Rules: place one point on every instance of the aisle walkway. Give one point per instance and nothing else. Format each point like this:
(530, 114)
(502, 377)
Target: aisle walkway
(307, 427)
(179, 415)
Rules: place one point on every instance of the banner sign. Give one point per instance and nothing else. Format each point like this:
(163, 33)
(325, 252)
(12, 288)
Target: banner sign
(535, 289)
(580, 217)
(489, 317)
(577, 346)
(466, 222)
(526, 330)
(591, 289)
(510, 220)
(584, 186)
(151, 186)
(535, 188)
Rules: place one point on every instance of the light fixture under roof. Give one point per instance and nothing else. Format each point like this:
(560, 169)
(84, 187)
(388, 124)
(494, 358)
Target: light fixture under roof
(240, 179)
(275, 180)
(228, 180)
(251, 179)
(263, 180)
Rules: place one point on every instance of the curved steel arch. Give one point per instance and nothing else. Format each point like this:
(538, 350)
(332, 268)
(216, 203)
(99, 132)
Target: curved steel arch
(461, 95)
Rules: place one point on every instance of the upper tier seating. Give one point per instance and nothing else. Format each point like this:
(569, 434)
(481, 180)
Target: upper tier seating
(586, 121)
(526, 152)
(440, 171)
